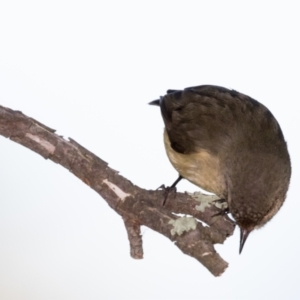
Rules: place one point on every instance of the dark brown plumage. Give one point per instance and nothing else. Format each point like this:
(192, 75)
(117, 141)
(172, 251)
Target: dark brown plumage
(230, 144)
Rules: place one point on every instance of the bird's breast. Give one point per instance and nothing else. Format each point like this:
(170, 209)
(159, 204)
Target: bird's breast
(201, 168)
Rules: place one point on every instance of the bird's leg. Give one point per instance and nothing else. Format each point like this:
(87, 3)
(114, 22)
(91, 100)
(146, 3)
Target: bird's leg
(170, 188)
(176, 181)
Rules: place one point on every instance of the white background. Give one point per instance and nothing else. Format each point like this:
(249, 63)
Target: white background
(88, 69)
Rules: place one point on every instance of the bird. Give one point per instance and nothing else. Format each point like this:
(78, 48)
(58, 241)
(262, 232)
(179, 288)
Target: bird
(229, 144)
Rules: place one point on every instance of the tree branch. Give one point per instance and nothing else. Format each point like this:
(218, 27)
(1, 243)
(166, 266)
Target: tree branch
(136, 205)
(135, 239)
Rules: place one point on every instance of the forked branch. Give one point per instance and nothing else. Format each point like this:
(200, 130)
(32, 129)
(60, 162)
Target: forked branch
(136, 205)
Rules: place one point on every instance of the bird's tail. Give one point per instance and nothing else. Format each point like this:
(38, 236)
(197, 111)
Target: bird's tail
(155, 102)
(158, 101)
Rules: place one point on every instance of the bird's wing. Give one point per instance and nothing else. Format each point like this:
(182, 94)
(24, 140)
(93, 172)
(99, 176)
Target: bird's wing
(206, 117)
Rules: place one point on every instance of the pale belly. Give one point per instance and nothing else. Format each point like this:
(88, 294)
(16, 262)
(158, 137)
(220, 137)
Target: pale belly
(201, 168)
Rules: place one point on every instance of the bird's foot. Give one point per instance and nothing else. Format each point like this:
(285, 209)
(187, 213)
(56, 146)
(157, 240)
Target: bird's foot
(223, 212)
(221, 201)
(167, 190)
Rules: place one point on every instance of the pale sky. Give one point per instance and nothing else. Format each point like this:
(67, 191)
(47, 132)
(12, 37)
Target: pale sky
(88, 70)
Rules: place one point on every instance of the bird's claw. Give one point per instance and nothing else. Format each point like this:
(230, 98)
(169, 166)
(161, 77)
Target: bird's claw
(167, 190)
(220, 201)
(222, 212)
(162, 187)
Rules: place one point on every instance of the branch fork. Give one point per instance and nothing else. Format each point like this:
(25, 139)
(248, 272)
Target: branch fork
(194, 234)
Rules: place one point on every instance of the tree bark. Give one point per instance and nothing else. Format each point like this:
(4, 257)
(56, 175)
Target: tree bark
(194, 234)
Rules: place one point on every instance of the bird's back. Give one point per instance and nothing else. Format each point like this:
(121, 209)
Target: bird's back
(216, 119)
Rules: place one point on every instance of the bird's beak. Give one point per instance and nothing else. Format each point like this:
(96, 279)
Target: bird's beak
(244, 235)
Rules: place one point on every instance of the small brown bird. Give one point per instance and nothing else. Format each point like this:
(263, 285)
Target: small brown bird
(231, 145)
